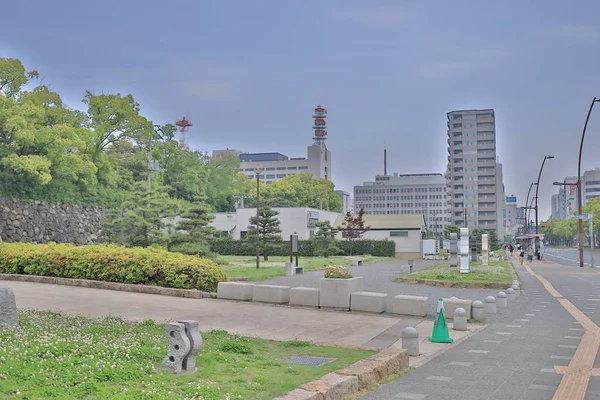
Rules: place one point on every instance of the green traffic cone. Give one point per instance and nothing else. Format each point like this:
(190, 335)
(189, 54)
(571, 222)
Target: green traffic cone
(440, 331)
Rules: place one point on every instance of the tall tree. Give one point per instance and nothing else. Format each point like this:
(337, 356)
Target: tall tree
(268, 232)
(13, 76)
(353, 227)
(324, 237)
(224, 183)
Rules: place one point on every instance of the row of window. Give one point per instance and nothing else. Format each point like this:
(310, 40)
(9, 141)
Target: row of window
(401, 190)
(301, 167)
(403, 212)
(407, 197)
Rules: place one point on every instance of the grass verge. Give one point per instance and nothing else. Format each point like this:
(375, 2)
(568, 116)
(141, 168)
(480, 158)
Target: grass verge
(496, 273)
(51, 355)
(244, 268)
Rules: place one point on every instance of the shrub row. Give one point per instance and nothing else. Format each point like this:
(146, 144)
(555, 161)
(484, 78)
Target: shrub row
(307, 248)
(111, 263)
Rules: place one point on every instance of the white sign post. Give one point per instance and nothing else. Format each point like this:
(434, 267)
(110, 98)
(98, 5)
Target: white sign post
(484, 249)
(464, 250)
(591, 227)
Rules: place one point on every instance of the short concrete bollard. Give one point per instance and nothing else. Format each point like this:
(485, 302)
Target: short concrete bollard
(510, 295)
(459, 323)
(501, 300)
(477, 311)
(517, 290)
(410, 341)
(489, 307)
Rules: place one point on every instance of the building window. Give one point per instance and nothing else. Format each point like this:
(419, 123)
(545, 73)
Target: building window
(398, 233)
(280, 176)
(270, 168)
(270, 176)
(243, 235)
(280, 168)
(303, 167)
(292, 168)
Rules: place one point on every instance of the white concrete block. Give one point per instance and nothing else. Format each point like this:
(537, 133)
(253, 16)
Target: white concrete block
(271, 294)
(235, 291)
(368, 301)
(450, 305)
(410, 305)
(304, 296)
(335, 293)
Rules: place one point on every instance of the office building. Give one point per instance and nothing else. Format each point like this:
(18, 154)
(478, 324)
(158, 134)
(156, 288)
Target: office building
(424, 194)
(590, 185)
(346, 202)
(554, 207)
(566, 199)
(510, 216)
(474, 173)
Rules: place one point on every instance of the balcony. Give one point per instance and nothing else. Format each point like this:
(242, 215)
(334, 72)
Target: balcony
(486, 160)
(486, 178)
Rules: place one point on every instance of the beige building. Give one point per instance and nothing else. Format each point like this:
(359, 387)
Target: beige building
(474, 173)
(406, 231)
(276, 166)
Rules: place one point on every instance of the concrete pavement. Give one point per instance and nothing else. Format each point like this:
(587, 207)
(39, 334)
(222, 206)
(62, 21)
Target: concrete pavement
(338, 328)
(517, 360)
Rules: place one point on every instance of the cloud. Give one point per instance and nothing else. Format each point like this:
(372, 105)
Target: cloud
(392, 15)
(580, 32)
(209, 90)
(443, 70)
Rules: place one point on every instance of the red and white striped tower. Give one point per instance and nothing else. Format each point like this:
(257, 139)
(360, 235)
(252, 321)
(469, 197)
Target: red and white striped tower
(184, 125)
(319, 126)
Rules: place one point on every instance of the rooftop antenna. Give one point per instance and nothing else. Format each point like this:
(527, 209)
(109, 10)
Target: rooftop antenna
(183, 125)
(384, 158)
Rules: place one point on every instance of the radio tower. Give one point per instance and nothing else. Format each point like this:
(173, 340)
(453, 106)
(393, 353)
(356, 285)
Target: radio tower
(183, 125)
(319, 127)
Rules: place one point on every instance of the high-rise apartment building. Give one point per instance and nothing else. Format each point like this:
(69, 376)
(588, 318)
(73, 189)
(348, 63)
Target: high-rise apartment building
(474, 174)
(424, 194)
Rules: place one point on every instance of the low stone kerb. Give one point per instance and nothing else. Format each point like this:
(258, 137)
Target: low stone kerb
(334, 386)
(377, 368)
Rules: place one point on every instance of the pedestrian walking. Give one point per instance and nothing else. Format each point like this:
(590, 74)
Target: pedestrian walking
(530, 253)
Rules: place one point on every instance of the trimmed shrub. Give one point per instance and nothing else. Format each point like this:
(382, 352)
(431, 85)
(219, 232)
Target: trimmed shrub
(307, 248)
(111, 263)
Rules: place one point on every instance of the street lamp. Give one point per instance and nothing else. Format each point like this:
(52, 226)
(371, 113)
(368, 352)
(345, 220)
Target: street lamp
(257, 172)
(537, 188)
(527, 207)
(579, 194)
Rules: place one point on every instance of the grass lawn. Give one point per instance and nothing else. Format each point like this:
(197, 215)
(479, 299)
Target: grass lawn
(244, 268)
(496, 271)
(54, 356)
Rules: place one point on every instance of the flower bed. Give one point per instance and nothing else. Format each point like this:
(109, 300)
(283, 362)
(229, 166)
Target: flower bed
(110, 263)
(338, 272)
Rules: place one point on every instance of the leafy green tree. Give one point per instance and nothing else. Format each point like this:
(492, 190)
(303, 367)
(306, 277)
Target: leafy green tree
(354, 227)
(269, 231)
(140, 221)
(13, 76)
(325, 238)
(224, 182)
(192, 232)
(452, 229)
(493, 240)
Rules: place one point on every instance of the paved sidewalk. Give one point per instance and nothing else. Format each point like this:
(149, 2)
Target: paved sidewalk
(339, 328)
(512, 360)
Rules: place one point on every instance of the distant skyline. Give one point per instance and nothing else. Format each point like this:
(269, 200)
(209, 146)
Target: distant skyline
(249, 74)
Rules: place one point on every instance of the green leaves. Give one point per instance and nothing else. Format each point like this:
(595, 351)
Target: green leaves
(36, 167)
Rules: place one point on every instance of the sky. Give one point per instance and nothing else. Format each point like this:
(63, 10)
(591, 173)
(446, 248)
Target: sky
(248, 74)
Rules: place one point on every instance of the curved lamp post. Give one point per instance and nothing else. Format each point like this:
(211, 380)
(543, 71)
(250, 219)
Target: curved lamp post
(537, 188)
(257, 172)
(527, 208)
(579, 194)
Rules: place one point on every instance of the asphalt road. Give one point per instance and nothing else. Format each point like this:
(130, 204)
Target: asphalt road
(570, 257)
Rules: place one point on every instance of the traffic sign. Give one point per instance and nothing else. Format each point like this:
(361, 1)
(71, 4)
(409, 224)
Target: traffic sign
(582, 216)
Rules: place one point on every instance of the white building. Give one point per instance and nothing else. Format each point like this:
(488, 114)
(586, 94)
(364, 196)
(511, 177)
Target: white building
(347, 206)
(590, 185)
(299, 221)
(406, 231)
(511, 219)
(423, 194)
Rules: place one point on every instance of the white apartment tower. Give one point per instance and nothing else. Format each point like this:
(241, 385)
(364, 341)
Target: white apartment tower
(474, 173)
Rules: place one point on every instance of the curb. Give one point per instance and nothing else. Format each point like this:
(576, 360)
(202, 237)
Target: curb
(123, 287)
(350, 381)
(450, 284)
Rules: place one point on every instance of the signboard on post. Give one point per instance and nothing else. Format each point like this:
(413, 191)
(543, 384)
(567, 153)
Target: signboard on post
(582, 216)
(294, 240)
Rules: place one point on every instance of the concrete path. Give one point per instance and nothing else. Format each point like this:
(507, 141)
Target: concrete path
(345, 329)
(516, 359)
(379, 277)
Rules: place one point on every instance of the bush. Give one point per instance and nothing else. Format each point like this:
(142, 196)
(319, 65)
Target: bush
(308, 248)
(111, 263)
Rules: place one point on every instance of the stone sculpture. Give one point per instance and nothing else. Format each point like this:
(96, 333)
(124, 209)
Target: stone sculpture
(185, 343)
(485, 255)
(8, 308)
(453, 250)
(473, 244)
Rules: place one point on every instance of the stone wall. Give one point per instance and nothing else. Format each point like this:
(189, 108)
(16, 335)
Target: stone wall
(40, 222)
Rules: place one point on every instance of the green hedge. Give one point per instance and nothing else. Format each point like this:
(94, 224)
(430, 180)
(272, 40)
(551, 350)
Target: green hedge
(111, 263)
(307, 248)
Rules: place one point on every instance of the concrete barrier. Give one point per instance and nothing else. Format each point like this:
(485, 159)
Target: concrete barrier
(460, 320)
(510, 295)
(410, 341)
(477, 311)
(304, 296)
(235, 291)
(368, 301)
(501, 300)
(271, 294)
(451, 304)
(489, 307)
(410, 305)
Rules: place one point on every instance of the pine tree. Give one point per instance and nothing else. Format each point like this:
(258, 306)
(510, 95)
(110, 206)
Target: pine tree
(493, 240)
(192, 231)
(268, 230)
(325, 240)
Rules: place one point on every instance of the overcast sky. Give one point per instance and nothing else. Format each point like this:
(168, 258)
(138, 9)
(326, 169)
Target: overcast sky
(249, 73)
